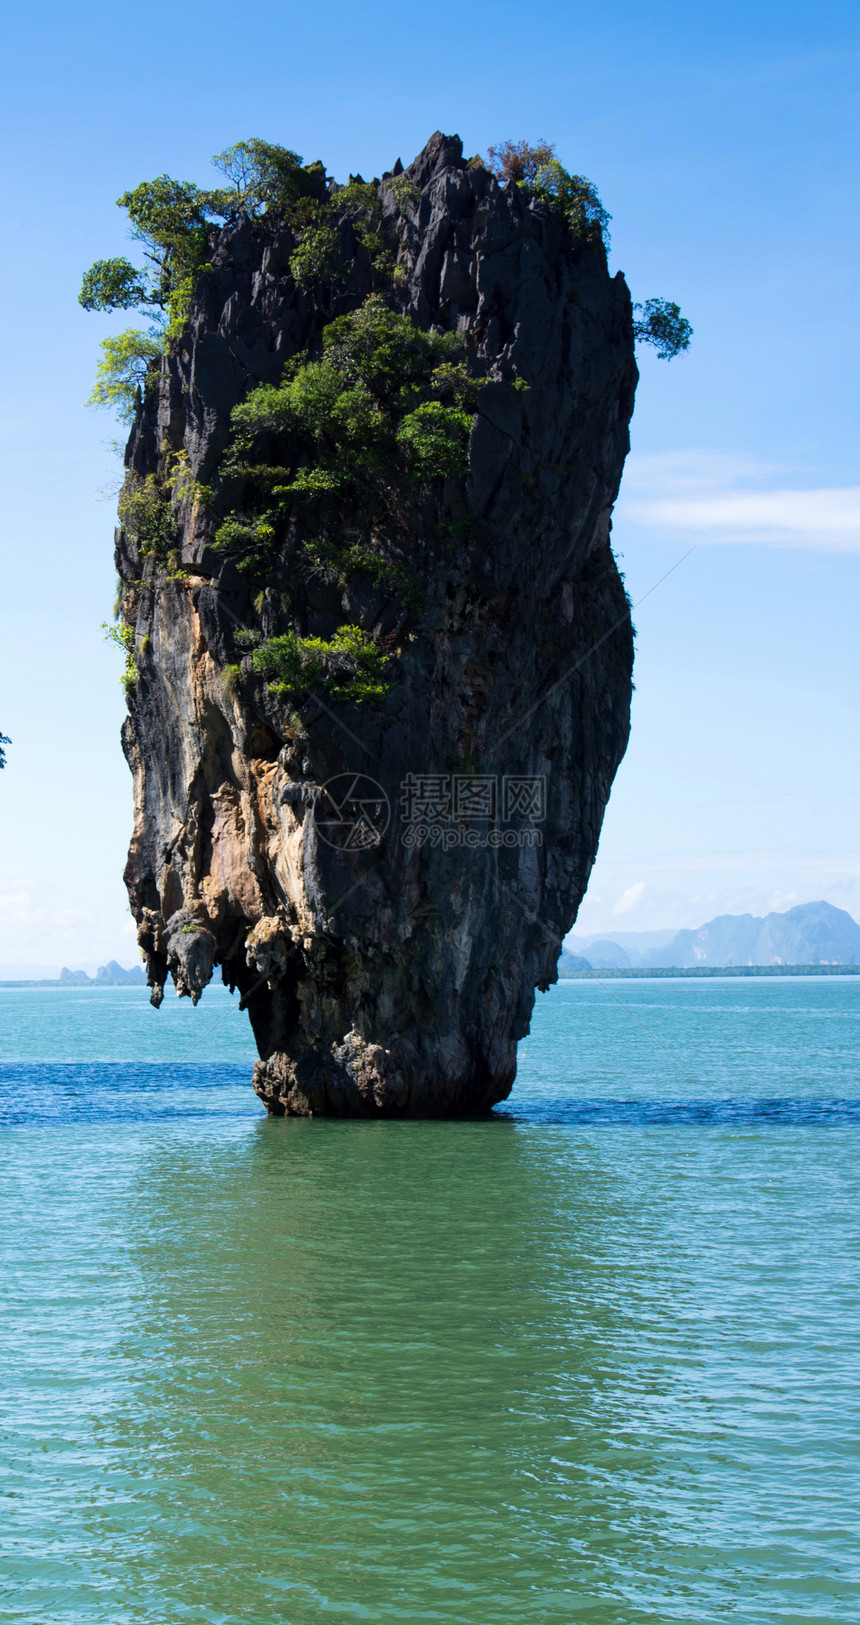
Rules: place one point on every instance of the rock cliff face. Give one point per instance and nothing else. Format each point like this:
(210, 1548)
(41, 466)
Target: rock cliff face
(388, 883)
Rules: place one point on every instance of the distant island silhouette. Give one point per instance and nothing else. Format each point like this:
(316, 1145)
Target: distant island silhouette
(110, 975)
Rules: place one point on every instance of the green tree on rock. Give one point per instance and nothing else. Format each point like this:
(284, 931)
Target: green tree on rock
(519, 163)
(265, 177)
(535, 169)
(114, 285)
(662, 325)
(127, 363)
(172, 220)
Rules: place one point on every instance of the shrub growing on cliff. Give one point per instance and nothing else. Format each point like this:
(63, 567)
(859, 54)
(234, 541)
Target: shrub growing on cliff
(122, 635)
(341, 562)
(317, 259)
(170, 219)
(436, 440)
(146, 512)
(386, 352)
(311, 482)
(382, 385)
(577, 198)
(403, 190)
(266, 410)
(451, 383)
(321, 413)
(350, 664)
(252, 540)
(362, 204)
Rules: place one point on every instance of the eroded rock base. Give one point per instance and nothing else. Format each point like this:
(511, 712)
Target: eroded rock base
(362, 1079)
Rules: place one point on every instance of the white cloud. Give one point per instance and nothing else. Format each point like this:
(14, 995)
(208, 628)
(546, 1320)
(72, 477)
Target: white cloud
(33, 931)
(712, 498)
(688, 889)
(630, 899)
(14, 905)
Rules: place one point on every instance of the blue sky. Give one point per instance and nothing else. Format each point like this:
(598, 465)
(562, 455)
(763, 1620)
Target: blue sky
(723, 139)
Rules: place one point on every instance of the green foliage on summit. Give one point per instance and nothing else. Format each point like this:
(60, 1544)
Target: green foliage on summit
(173, 221)
(377, 412)
(538, 172)
(264, 177)
(170, 219)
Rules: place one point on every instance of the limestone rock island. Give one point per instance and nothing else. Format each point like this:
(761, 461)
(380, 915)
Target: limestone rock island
(380, 651)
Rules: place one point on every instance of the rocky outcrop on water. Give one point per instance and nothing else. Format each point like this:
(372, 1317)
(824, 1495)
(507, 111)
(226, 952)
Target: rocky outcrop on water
(385, 873)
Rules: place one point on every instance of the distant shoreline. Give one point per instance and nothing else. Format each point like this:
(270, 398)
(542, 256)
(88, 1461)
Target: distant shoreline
(624, 974)
(73, 982)
(565, 974)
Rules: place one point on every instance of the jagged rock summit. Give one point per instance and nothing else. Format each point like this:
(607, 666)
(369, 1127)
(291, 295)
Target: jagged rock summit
(371, 758)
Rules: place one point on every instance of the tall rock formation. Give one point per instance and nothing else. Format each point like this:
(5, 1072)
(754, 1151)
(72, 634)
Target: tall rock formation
(388, 880)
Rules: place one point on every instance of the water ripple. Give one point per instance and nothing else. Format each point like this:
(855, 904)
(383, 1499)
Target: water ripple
(800, 1112)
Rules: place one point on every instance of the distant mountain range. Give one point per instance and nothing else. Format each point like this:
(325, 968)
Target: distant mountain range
(810, 934)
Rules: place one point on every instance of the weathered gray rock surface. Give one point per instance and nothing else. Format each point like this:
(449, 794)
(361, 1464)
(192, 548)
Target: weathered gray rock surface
(383, 975)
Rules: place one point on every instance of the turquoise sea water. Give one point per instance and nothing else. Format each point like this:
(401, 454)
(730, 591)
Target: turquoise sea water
(596, 1359)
